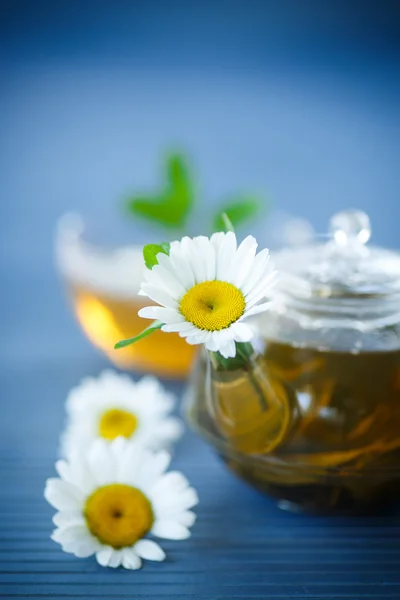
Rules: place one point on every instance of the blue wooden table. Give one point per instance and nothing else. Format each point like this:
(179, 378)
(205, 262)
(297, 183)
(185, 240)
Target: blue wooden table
(301, 104)
(242, 545)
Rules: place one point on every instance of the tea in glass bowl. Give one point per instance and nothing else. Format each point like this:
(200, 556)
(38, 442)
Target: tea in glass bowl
(103, 286)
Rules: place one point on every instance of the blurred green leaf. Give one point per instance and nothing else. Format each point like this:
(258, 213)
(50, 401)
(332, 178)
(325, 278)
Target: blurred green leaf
(171, 206)
(238, 212)
(148, 331)
(150, 252)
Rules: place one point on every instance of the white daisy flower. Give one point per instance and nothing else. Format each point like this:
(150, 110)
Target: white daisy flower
(111, 497)
(113, 405)
(207, 288)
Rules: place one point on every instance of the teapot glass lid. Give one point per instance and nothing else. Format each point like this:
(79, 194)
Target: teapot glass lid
(341, 266)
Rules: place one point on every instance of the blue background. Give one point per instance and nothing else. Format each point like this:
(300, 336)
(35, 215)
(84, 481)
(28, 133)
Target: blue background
(296, 100)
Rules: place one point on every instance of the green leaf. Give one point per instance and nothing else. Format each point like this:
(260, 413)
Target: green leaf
(148, 331)
(238, 212)
(172, 204)
(150, 252)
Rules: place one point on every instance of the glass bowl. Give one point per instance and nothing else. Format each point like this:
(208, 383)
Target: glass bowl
(102, 284)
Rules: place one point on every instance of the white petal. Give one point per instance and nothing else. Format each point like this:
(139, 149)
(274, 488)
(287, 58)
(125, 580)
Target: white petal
(81, 549)
(212, 342)
(192, 248)
(258, 267)
(217, 240)
(129, 464)
(130, 559)
(226, 251)
(151, 398)
(194, 340)
(170, 530)
(228, 349)
(108, 557)
(180, 275)
(171, 281)
(256, 298)
(149, 385)
(262, 292)
(187, 518)
(169, 430)
(193, 331)
(165, 315)
(63, 495)
(152, 468)
(115, 559)
(221, 341)
(190, 257)
(177, 327)
(242, 260)
(163, 279)
(117, 448)
(63, 469)
(71, 533)
(262, 288)
(61, 519)
(198, 338)
(206, 251)
(108, 376)
(101, 462)
(74, 470)
(242, 332)
(259, 308)
(173, 481)
(181, 265)
(173, 503)
(189, 498)
(158, 295)
(103, 556)
(149, 550)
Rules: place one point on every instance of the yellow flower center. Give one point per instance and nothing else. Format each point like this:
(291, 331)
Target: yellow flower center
(118, 515)
(213, 305)
(115, 422)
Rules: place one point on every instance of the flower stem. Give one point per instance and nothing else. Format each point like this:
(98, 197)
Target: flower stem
(244, 360)
(256, 384)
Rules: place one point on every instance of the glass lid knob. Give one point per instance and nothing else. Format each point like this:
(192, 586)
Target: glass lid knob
(350, 228)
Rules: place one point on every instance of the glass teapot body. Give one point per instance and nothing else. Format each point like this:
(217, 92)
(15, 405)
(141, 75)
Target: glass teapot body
(326, 435)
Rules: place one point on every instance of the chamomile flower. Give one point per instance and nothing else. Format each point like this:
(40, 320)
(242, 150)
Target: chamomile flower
(110, 498)
(206, 288)
(113, 405)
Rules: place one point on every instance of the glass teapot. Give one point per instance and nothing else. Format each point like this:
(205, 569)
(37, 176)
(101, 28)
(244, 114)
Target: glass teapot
(316, 421)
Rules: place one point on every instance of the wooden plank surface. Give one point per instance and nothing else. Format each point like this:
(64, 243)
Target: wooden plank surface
(242, 545)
